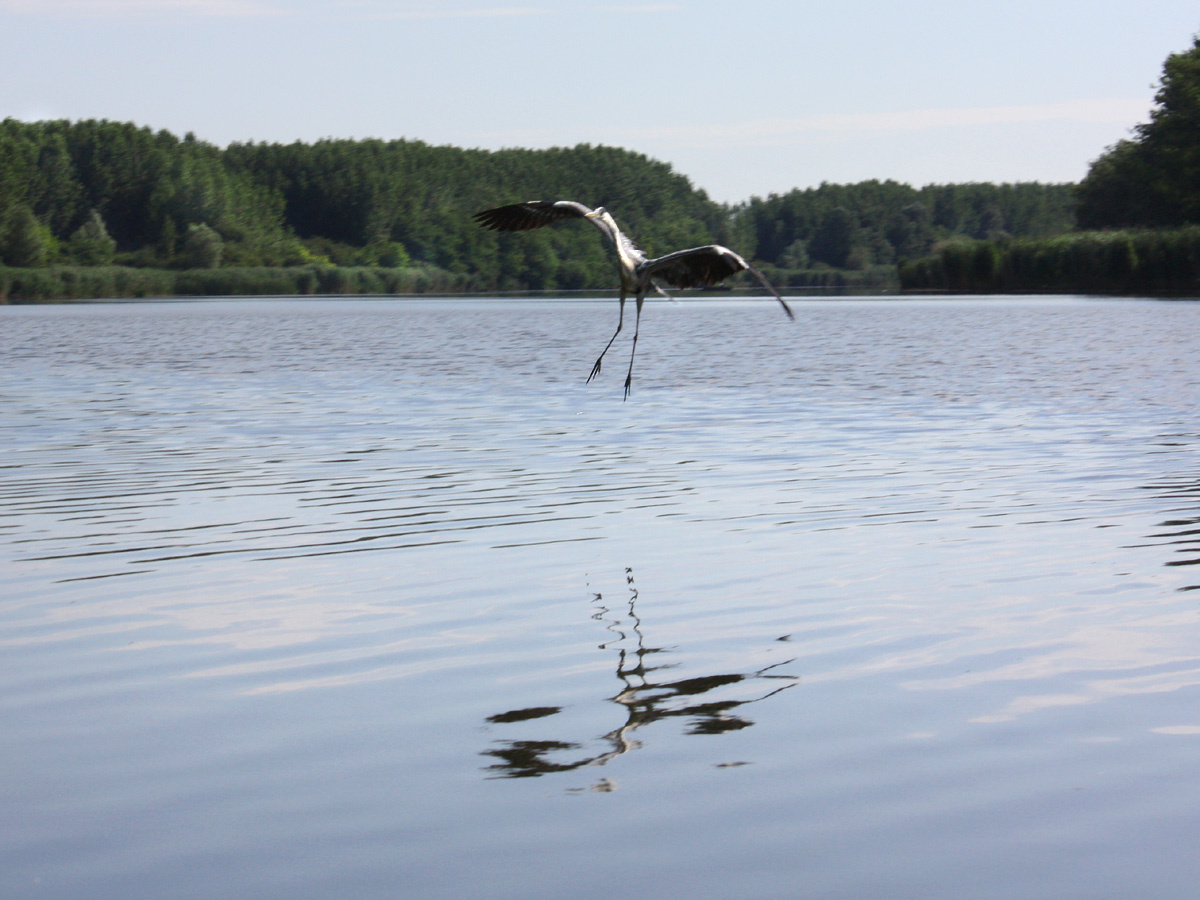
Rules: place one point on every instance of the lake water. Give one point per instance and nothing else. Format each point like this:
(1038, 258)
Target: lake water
(378, 599)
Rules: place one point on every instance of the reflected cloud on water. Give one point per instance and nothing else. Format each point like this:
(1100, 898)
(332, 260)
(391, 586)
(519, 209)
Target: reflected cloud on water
(644, 697)
(321, 589)
(1105, 648)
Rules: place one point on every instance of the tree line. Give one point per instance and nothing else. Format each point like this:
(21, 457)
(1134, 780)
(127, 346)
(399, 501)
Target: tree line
(1143, 261)
(101, 195)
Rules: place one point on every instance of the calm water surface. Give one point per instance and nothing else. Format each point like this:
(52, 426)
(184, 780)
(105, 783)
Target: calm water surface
(377, 599)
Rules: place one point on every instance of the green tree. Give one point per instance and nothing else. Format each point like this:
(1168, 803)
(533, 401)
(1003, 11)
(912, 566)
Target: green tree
(390, 254)
(991, 224)
(795, 256)
(23, 240)
(835, 238)
(910, 231)
(1152, 179)
(91, 244)
(202, 247)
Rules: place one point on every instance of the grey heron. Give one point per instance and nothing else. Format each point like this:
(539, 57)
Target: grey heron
(695, 267)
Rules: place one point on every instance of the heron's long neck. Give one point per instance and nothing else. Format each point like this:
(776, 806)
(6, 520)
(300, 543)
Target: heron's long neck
(627, 251)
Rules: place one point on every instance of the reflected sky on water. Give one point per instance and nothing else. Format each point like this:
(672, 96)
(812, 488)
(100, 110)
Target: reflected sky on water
(378, 598)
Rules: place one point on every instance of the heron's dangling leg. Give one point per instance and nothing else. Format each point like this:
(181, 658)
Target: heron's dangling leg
(637, 322)
(620, 318)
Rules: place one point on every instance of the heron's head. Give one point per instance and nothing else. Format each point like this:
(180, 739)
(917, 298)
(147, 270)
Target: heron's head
(598, 213)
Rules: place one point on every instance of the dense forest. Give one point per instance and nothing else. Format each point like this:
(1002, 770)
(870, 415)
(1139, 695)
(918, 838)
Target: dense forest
(1138, 215)
(105, 193)
(110, 209)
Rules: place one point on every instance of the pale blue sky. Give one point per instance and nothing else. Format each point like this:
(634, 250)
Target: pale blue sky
(745, 98)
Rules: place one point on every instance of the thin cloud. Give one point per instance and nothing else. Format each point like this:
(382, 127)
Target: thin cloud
(375, 12)
(785, 132)
(513, 12)
(106, 8)
(648, 8)
(1093, 110)
(779, 131)
(485, 13)
(369, 9)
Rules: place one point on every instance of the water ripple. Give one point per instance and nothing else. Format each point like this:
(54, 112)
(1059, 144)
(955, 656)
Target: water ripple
(914, 598)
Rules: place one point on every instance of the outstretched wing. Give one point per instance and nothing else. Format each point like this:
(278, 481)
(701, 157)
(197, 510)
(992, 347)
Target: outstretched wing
(534, 214)
(704, 267)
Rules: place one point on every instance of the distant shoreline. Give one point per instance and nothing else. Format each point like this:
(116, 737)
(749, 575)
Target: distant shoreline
(66, 283)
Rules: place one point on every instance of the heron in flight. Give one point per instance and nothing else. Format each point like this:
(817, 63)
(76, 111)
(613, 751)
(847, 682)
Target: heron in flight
(697, 267)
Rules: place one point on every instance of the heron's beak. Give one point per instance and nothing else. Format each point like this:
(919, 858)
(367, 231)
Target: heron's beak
(592, 214)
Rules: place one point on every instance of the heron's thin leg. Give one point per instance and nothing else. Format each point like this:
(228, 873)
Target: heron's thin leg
(620, 318)
(637, 322)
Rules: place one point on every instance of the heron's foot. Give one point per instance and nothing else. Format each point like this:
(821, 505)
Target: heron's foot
(595, 370)
(628, 384)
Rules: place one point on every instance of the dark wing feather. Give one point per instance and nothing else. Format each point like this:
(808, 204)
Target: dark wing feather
(697, 267)
(534, 214)
(704, 267)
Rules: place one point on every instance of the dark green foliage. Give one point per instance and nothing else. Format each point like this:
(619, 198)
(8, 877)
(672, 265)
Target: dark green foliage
(880, 222)
(911, 232)
(395, 204)
(1108, 262)
(146, 187)
(388, 254)
(202, 247)
(23, 241)
(1153, 179)
(90, 282)
(77, 282)
(408, 200)
(91, 244)
(836, 238)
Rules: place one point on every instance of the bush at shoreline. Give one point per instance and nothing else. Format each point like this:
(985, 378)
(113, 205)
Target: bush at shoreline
(124, 282)
(1153, 262)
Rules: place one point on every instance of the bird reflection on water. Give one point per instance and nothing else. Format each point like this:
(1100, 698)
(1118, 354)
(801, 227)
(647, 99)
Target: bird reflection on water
(644, 698)
(1181, 532)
